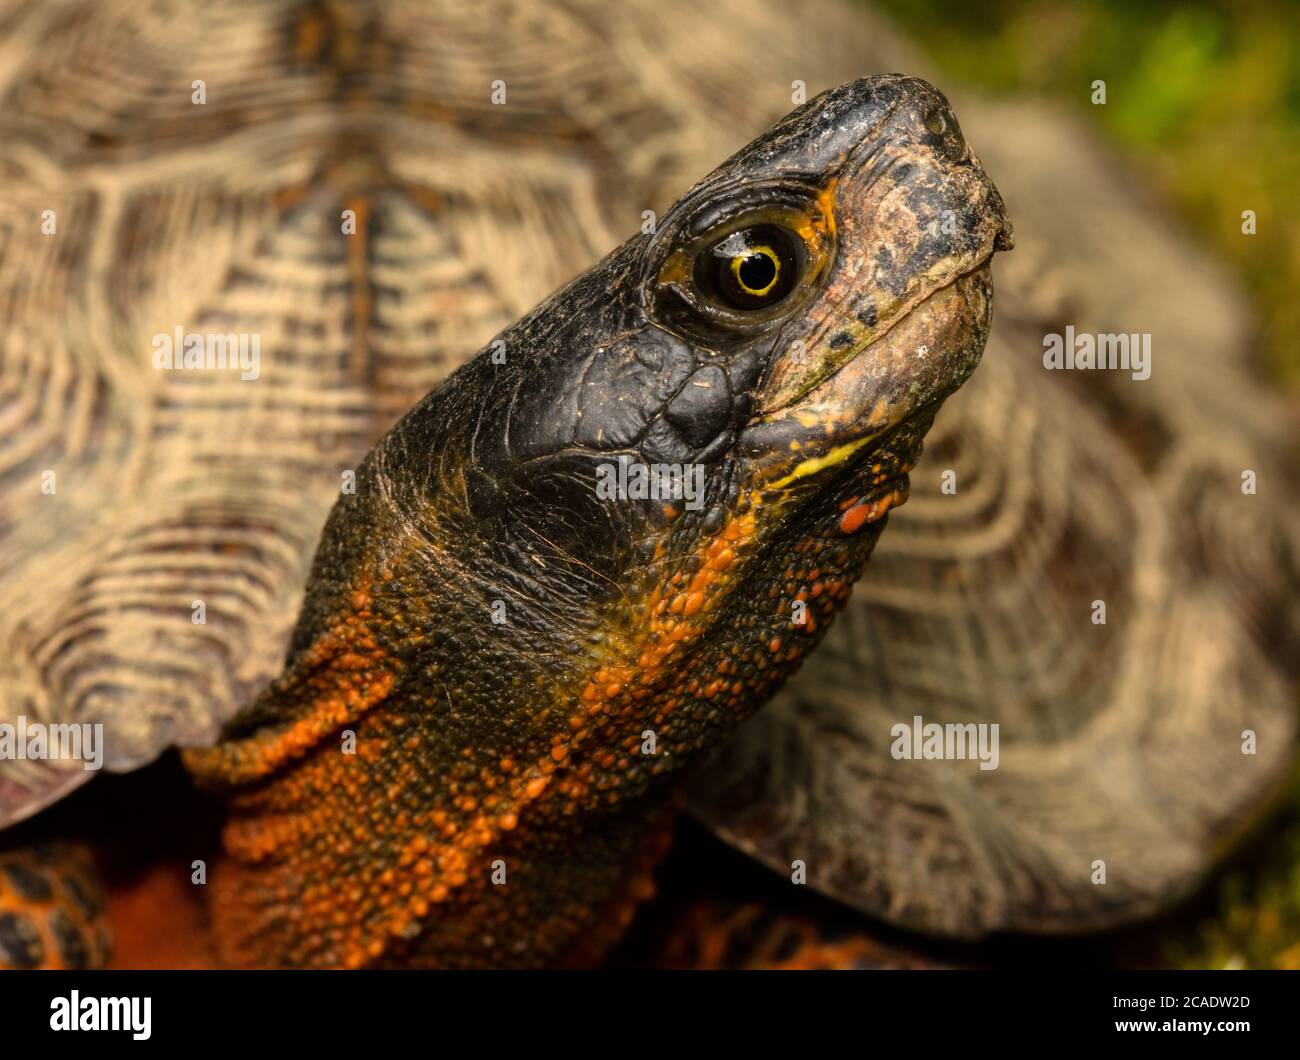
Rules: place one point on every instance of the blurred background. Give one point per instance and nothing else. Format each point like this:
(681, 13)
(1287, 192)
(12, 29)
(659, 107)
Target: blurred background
(1204, 101)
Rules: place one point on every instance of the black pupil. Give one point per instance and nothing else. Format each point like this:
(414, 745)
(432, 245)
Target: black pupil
(750, 268)
(757, 271)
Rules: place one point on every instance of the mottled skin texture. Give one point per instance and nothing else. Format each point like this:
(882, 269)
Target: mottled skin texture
(517, 745)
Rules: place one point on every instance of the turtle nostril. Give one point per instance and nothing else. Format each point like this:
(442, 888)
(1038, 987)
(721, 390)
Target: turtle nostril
(941, 124)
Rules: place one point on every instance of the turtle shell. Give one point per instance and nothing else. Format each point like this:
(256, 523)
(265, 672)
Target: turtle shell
(336, 180)
(374, 190)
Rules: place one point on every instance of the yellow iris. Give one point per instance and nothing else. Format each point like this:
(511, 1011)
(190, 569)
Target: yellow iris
(740, 260)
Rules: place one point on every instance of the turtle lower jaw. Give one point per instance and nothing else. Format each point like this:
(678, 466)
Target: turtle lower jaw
(851, 495)
(868, 488)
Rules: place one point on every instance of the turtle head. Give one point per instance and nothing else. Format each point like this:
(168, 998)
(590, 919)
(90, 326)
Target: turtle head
(610, 535)
(690, 451)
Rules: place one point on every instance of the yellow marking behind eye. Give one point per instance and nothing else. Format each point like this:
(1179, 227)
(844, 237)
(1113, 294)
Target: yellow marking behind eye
(826, 200)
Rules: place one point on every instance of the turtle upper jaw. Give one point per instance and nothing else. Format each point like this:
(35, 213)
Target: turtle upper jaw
(901, 375)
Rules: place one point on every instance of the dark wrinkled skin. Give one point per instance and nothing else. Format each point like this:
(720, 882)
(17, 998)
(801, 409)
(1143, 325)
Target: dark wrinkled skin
(521, 743)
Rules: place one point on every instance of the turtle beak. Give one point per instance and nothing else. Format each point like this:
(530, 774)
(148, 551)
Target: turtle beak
(906, 225)
(907, 371)
(1006, 237)
(904, 313)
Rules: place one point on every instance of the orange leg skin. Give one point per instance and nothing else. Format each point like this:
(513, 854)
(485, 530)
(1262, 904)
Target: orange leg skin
(51, 908)
(122, 868)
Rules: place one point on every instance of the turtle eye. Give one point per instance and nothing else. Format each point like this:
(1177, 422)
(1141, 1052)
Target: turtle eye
(751, 268)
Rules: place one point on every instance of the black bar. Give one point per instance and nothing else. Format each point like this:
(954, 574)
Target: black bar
(851, 1013)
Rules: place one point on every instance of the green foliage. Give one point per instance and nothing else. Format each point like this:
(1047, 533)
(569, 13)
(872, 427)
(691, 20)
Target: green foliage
(1205, 96)
(1258, 922)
